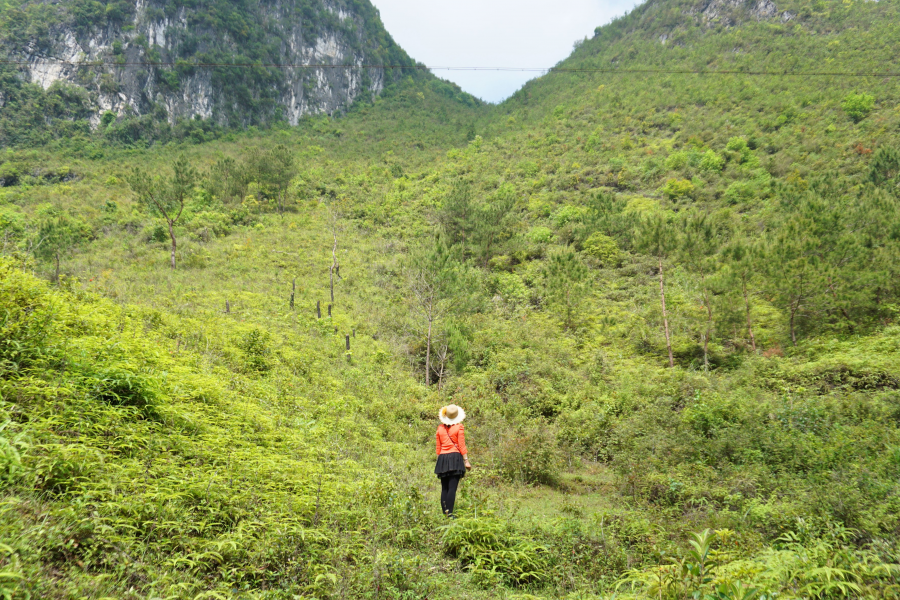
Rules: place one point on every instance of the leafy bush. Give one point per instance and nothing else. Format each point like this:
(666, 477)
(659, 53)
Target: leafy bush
(494, 553)
(566, 214)
(740, 192)
(255, 346)
(530, 456)
(26, 314)
(739, 152)
(683, 158)
(858, 106)
(587, 431)
(678, 189)
(119, 385)
(10, 455)
(604, 249)
(712, 162)
(819, 567)
(540, 235)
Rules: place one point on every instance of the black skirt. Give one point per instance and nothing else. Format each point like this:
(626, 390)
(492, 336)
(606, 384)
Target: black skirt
(450, 465)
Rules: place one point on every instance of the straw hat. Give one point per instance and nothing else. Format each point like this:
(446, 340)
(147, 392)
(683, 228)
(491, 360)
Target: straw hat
(451, 415)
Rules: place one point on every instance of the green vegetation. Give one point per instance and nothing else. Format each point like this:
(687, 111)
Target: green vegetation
(221, 33)
(669, 310)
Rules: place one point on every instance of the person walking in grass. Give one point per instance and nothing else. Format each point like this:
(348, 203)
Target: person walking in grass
(453, 458)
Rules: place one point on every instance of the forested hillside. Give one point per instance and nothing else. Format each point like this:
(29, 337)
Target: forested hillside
(142, 72)
(661, 280)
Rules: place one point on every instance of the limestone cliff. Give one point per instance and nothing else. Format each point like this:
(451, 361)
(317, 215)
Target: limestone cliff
(146, 52)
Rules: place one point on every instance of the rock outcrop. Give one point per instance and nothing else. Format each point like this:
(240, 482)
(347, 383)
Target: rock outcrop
(308, 57)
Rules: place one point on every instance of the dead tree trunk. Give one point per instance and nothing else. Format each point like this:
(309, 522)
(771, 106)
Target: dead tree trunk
(794, 308)
(174, 243)
(428, 351)
(662, 297)
(442, 356)
(747, 308)
(709, 319)
(837, 304)
(334, 262)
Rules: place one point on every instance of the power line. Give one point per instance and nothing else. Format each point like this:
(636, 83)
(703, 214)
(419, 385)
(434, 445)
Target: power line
(204, 65)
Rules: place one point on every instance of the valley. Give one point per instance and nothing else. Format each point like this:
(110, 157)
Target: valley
(662, 282)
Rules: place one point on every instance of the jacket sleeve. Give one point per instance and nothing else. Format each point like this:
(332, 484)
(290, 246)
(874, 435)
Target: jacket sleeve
(461, 440)
(437, 440)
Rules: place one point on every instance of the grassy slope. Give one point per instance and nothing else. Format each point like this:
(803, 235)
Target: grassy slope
(643, 453)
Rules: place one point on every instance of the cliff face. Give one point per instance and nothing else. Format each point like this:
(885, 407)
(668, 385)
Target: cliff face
(128, 36)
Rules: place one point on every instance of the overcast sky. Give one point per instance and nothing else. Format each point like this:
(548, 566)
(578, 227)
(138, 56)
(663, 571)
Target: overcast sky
(493, 33)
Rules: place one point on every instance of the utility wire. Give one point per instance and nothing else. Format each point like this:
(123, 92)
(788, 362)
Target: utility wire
(785, 73)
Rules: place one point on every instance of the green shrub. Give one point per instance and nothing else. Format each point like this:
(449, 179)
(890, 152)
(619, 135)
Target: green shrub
(531, 456)
(677, 160)
(683, 158)
(738, 151)
(677, 189)
(10, 455)
(156, 233)
(740, 192)
(736, 144)
(494, 553)
(9, 174)
(118, 384)
(858, 106)
(568, 213)
(255, 346)
(540, 235)
(604, 249)
(586, 431)
(26, 314)
(712, 162)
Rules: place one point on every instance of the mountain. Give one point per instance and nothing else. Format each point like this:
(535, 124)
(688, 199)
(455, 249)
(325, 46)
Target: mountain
(662, 280)
(143, 57)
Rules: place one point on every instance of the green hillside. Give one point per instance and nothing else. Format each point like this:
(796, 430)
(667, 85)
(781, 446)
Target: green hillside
(201, 432)
(136, 73)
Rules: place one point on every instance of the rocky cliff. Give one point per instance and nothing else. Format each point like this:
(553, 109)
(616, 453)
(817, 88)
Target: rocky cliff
(146, 52)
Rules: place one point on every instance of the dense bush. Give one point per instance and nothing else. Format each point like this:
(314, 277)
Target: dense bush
(494, 553)
(530, 456)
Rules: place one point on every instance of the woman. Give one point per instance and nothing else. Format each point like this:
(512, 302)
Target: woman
(453, 459)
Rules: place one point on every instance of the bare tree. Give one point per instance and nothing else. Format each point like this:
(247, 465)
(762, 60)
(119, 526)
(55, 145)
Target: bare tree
(654, 236)
(442, 356)
(334, 220)
(429, 278)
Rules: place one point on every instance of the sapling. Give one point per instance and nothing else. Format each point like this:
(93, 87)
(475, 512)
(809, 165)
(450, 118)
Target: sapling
(165, 195)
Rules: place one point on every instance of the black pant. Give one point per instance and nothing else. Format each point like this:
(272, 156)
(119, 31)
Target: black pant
(448, 493)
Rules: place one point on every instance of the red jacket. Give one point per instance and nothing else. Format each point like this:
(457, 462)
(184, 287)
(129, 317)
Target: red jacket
(445, 437)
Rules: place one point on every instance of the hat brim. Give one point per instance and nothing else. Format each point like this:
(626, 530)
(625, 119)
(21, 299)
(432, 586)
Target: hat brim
(459, 418)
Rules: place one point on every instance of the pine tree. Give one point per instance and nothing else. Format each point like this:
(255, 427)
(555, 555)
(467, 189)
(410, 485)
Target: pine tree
(457, 214)
(56, 236)
(741, 258)
(699, 242)
(656, 237)
(478, 228)
(794, 264)
(885, 168)
(567, 284)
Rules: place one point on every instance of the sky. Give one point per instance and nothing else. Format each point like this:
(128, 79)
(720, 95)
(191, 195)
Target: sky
(493, 33)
